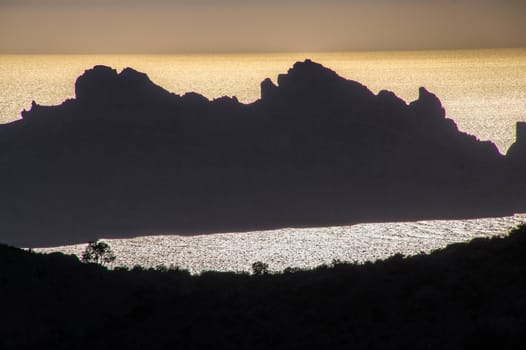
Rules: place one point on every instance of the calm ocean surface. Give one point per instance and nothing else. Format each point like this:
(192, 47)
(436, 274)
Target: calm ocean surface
(484, 91)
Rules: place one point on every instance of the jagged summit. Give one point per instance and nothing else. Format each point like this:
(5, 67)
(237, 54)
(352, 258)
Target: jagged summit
(126, 157)
(517, 151)
(308, 79)
(308, 73)
(428, 105)
(102, 85)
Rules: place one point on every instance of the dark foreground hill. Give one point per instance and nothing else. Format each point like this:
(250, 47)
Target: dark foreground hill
(467, 296)
(126, 157)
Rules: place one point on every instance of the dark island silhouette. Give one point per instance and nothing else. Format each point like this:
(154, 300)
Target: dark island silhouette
(126, 157)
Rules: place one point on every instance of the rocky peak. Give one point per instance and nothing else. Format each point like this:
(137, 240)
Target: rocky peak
(96, 83)
(307, 73)
(428, 105)
(309, 81)
(131, 76)
(517, 151)
(521, 132)
(268, 89)
(102, 85)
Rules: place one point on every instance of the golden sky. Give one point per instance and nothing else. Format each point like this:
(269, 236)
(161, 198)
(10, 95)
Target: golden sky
(212, 26)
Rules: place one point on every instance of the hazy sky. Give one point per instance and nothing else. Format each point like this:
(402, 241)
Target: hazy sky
(180, 26)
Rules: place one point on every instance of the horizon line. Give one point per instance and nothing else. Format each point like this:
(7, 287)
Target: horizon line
(262, 52)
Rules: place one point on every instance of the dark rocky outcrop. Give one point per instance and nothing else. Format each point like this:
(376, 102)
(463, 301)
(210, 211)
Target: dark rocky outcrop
(126, 157)
(517, 151)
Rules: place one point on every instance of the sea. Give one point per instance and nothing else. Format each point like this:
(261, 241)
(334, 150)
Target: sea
(483, 91)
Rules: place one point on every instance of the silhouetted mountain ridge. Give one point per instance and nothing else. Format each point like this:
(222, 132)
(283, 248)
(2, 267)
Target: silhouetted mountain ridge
(127, 157)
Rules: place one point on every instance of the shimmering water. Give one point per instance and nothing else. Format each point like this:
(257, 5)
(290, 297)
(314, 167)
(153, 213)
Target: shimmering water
(484, 91)
(305, 247)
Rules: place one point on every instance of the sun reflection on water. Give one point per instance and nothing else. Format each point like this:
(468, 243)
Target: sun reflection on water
(292, 247)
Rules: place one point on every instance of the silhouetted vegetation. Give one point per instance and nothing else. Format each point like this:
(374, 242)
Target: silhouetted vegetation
(467, 296)
(98, 252)
(259, 268)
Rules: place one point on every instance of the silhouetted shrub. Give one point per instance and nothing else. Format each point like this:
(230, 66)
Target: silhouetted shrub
(291, 269)
(98, 252)
(121, 268)
(138, 268)
(161, 268)
(259, 268)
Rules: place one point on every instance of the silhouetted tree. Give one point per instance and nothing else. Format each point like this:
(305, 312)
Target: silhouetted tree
(259, 268)
(98, 252)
